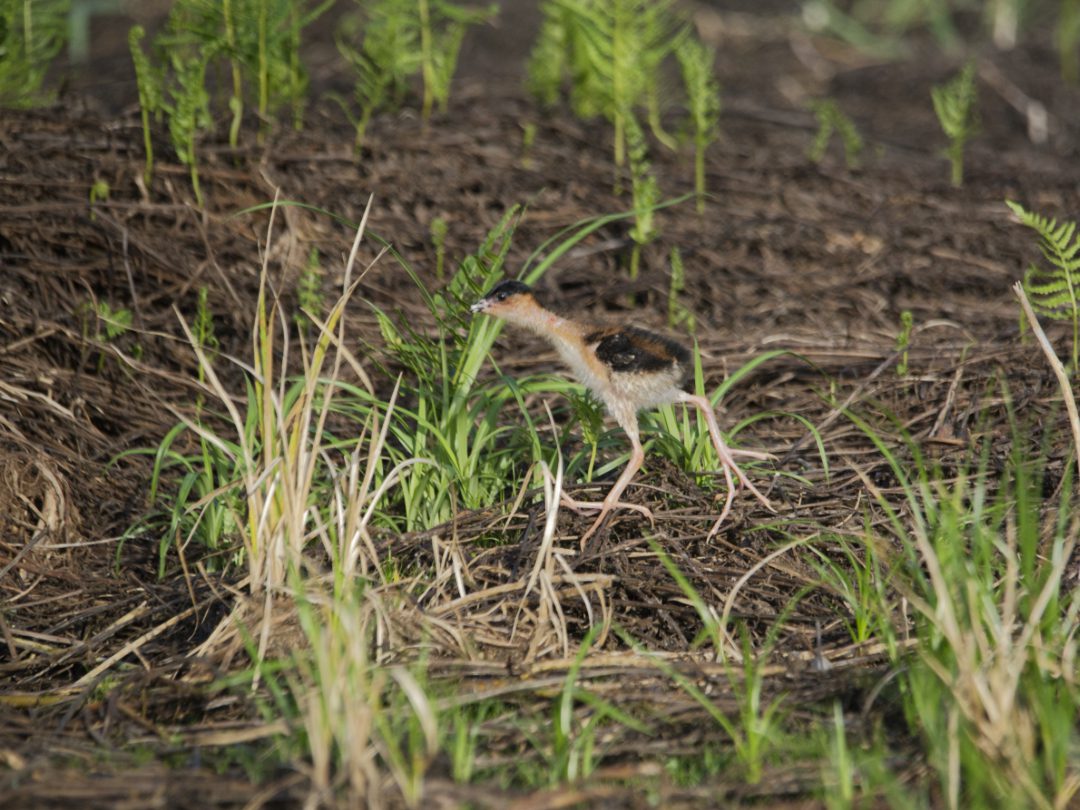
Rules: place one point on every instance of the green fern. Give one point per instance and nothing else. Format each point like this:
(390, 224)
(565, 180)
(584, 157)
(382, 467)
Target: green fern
(954, 104)
(1054, 292)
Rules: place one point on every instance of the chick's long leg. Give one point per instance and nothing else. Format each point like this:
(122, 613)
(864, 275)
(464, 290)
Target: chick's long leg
(727, 458)
(637, 457)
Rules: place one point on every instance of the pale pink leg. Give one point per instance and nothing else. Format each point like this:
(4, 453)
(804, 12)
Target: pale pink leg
(727, 458)
(637, 457)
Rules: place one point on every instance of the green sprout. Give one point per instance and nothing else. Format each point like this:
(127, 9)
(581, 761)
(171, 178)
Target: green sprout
(903, 341)
(98, 191)
(645, 193)
(528, 138)
(703, 101)
(830, 119)
(678, 312)
(151, 101)
(589, 413)
(954, 104)
(1067, 35)
(439, 230)
(309, 290)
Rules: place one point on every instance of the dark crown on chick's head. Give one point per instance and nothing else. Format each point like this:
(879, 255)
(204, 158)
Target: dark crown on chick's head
(501, 292)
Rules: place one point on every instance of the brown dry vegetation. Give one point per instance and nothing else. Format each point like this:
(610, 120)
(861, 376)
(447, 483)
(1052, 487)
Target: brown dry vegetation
(104, 669)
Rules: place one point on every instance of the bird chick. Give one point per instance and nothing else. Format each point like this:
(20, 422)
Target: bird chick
(628, 369)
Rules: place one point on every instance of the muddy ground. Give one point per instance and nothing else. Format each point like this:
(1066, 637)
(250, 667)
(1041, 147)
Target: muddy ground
(817, 259)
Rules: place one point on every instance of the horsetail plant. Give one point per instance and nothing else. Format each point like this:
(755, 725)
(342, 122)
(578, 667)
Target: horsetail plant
(1054, 292)
(614, 48)
(189, 112)
(954, 104)
(671, 38)
(387, 56)
(703, 101)
(548, 59)
(1066, 36)
(678, 312)
(31, 35)
(442, 29)
(439, 229)
(400, 39)
(903, 341)
(645, 193)
(260, 42)
(236, 101)
(151, 102)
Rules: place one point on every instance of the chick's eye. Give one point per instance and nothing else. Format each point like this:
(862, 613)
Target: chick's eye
(500, 296)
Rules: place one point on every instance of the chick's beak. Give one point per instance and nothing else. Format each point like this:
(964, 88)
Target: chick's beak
(479, 306)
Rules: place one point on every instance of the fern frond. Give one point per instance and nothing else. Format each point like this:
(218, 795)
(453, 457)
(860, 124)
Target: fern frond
(1055, 291)
(1052, 299)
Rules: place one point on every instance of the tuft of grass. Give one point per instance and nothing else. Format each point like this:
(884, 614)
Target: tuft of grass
(860, 576)
(755, 730)
(451, 418)
(685, 440)
(982, 563)
(263, 463)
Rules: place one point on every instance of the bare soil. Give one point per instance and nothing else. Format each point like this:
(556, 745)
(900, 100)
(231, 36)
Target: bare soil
(817, 259)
